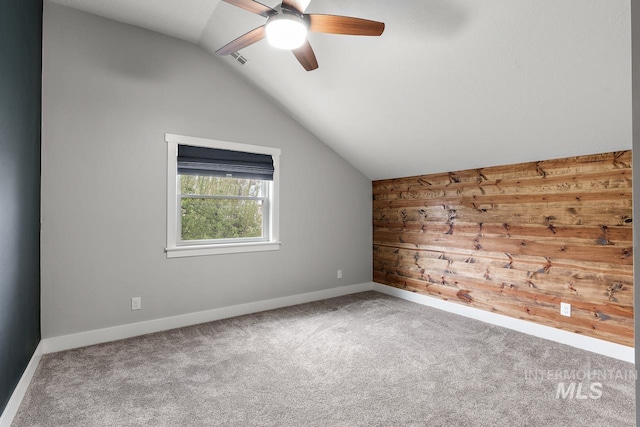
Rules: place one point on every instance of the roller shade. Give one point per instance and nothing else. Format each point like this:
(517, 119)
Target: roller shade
(226, 163)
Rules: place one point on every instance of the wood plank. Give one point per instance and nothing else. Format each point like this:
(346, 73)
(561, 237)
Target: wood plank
(586, 182)
(475, 201)
(610, 215)
(601, 235)
(558, 250)
(541, 283)
(503, 257)
(546, 169)
(522, 295)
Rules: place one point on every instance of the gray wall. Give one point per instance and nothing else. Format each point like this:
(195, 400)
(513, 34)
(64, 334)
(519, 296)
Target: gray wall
(110, 92)
(20, 67)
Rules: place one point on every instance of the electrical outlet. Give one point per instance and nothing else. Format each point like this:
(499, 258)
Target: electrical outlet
(339, 274)
(565, 309)
(136, 303)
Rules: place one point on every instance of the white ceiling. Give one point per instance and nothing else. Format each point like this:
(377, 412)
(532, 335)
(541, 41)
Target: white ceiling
(450, 85)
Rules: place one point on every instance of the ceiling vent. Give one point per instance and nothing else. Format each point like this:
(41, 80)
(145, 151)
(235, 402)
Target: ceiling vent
(239, 58)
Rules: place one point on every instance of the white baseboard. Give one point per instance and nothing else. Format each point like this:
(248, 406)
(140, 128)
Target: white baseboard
(10, 411)
(595, 345)
(82, 339)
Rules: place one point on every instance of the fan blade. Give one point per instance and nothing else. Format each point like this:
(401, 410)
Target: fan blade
(252, 6)
(298, 5)
(306, 57)
(243, 41)
(333, 24)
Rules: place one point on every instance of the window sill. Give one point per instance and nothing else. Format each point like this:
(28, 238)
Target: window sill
(227, 248)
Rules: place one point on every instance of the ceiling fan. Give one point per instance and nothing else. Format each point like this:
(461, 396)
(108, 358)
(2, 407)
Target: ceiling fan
(287, 26)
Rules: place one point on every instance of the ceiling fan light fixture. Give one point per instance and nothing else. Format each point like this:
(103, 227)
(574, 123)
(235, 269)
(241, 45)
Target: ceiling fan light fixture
(286, 31)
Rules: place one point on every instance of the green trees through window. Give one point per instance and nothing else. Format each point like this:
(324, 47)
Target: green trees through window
(221, 208)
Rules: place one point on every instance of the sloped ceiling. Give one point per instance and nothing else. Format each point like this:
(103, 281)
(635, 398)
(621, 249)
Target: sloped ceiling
(450, 85)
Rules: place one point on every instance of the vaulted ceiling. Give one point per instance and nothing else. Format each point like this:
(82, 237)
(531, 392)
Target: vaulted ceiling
(451, 84)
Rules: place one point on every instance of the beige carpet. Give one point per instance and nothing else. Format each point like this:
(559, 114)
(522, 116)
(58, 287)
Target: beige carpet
(359, 360)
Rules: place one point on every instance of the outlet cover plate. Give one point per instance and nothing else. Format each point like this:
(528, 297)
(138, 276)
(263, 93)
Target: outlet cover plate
(565, 309)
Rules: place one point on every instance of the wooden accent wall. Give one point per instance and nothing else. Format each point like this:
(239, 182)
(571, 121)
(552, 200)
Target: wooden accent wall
(516, 240)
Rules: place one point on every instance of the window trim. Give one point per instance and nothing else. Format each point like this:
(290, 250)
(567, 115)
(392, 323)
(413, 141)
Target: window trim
(175, 248)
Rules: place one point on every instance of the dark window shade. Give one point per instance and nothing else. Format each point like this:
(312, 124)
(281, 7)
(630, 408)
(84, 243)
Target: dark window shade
(217, 162)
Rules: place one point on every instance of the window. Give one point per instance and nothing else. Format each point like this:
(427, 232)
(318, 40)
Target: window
(222, 197)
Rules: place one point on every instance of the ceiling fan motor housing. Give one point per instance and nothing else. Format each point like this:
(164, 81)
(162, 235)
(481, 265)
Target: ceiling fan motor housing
(286, 29)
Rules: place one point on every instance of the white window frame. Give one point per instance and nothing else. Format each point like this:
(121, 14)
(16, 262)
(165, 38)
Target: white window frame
(177, 248)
